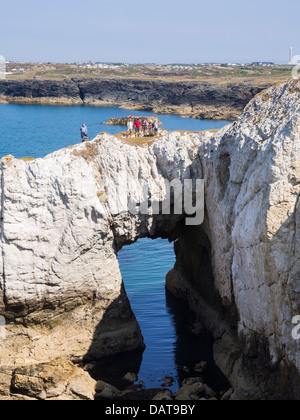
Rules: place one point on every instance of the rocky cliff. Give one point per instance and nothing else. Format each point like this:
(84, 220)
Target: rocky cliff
(199, 100)
(64, 217)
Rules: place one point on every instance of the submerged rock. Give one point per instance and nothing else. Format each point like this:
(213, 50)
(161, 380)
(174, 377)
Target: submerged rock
(167, 381)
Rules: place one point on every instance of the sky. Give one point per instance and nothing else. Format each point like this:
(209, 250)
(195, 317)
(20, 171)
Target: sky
(153, 31)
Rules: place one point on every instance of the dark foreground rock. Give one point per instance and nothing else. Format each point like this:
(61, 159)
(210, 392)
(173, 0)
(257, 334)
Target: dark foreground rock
(192, 389)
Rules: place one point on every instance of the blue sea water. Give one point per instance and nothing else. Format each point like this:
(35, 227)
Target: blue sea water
(34, 130)
(174, 344)
(144, 266)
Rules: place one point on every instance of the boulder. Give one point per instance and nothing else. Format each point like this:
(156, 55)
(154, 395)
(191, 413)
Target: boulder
(56, 380)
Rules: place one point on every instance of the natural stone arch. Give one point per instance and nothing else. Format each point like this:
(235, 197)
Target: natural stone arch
(59, 263)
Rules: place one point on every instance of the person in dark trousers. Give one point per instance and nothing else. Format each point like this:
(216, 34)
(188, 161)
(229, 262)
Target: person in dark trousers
(150, 127)
(137, 126)
(155, 125)
(84, 132)
(145, 126)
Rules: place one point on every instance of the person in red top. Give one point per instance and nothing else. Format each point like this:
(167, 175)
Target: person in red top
(137, 126)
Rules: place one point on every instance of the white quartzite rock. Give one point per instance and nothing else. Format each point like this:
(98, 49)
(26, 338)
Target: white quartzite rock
(64, 217)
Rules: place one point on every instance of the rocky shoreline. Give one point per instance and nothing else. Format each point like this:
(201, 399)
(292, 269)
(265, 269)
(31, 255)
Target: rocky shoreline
(192, 99)
(191, 389)
(63, 379)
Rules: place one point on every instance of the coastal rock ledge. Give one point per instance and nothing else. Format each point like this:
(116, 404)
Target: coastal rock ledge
(195, 99)
(63, 222)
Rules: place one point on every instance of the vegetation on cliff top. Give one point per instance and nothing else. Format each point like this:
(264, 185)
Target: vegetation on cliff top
(214, 73)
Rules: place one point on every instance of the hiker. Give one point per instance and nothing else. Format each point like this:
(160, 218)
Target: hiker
(129, 127)
(137, 126)
(84, 132)
(150, 126)
(155, 127)
(145, 126)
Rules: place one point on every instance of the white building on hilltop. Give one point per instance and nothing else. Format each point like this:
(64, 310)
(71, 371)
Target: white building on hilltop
(291, 56)
(2, 67)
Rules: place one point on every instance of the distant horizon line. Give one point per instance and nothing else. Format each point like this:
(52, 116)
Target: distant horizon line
(146, 63)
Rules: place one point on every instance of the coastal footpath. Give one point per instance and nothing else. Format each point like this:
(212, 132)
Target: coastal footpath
(192, 99)
(64, 218)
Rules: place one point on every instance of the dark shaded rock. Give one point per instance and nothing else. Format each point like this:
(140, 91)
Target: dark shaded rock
(130, 377)
(168, 381)
(200, 367)
(34, 89)
(163, 395)
(196, 99)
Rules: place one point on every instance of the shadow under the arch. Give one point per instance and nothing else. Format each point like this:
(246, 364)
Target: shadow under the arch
(119, 331)
(194, 345)
(117, 346)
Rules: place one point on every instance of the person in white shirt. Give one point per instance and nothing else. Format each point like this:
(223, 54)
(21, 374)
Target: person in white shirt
(84, 132)
(129, 128)
(155, 127)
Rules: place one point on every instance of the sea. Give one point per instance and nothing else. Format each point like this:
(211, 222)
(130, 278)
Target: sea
(173, 343)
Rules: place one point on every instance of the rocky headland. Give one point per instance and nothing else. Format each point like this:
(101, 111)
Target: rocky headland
(194, 99)
(63, 219)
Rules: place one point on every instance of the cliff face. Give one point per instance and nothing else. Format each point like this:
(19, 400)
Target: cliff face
(34, 91)
(243, 263)
(64, 217)
(199, 100)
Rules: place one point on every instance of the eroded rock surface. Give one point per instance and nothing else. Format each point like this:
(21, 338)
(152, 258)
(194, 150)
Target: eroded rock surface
(55, 380)
(64, 217)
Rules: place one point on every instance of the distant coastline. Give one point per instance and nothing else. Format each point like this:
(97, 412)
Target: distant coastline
(192, 99)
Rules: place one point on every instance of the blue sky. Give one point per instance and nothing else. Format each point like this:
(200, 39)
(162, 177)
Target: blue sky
(160, 31)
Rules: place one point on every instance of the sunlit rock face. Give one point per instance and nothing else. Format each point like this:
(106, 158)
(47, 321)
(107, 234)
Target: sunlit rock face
(64, 217)
(248, 246)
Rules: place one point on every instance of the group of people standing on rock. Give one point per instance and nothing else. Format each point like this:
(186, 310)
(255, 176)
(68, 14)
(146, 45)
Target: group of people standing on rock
(148, 129)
